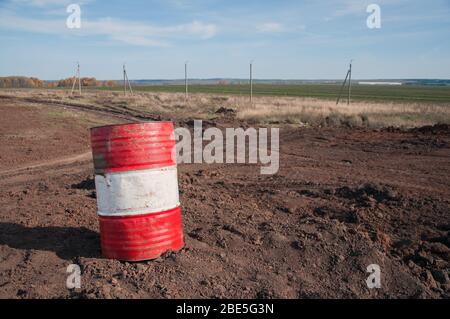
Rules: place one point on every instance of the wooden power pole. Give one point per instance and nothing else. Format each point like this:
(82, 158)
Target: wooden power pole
(126, 81)
(349, 92)
(251, 82)
(77, 78)
(349, 83)
(186, 94)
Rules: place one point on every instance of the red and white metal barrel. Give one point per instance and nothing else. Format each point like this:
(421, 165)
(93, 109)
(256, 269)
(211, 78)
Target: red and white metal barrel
(137, 190)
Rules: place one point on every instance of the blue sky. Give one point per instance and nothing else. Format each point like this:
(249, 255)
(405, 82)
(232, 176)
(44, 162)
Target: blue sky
(287, 39)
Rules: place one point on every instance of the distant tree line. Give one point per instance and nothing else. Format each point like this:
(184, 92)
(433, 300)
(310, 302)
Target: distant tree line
(20, 82)
(30, 82)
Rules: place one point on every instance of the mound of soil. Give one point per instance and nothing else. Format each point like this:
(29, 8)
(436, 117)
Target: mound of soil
(226, 112)
(433, 129)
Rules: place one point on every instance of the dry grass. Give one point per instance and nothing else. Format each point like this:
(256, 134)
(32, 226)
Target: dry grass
(264, 110)
(316, 111)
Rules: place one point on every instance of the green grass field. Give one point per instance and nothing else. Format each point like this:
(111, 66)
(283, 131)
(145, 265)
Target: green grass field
(432, 94)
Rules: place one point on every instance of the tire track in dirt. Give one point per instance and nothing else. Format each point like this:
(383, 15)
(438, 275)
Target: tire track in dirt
(49, 167)
(63, 165)
(43, 164)
(132, 116)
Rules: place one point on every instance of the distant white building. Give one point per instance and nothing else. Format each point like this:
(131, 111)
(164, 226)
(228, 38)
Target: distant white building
(380, 83)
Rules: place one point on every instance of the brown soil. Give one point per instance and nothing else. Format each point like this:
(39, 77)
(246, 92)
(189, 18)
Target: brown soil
(342, 200)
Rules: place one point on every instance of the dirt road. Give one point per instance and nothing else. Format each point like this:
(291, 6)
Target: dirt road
(342, 200)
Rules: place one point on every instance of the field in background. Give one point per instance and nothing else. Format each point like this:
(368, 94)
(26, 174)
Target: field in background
(408, 93)
(276, 110)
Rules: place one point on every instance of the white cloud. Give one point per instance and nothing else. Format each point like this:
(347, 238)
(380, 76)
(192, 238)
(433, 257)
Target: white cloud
(271, 27)
(143, 34)
(128, 32)
(43, 3)
(350, 7)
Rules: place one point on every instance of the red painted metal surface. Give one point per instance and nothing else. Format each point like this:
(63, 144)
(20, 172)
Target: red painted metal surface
(127, 147)
(141, 237)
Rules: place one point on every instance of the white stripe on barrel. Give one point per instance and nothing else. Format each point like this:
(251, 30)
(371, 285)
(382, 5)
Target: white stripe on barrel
(137, 192)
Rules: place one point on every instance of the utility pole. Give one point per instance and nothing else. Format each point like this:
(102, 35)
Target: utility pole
(349, 83)
(349, 77)
(186, 80)
(77, 77)
(126, 81)
(251, 82)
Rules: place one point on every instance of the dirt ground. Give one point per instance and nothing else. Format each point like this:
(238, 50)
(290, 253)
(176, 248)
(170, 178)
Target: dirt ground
(342, 200)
